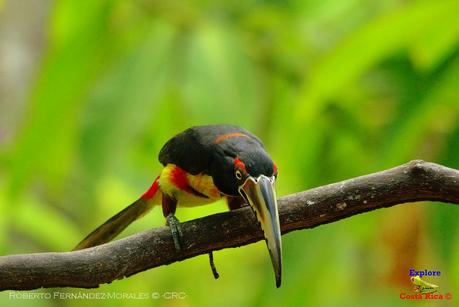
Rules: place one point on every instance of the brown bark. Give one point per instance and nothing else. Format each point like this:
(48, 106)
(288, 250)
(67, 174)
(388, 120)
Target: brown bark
(413, 181)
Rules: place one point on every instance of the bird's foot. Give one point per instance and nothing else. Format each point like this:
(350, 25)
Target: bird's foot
(176, 230)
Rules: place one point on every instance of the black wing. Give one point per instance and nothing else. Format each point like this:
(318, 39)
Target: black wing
(195, 149)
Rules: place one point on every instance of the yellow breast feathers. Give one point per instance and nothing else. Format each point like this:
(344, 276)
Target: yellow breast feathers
(189, 190)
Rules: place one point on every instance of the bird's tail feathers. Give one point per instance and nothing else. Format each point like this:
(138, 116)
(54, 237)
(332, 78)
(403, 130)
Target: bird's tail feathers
(116, 224)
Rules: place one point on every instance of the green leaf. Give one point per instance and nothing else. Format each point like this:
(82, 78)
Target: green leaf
(436, 43)
(123, 103)
(367, 46)
(44, 225)
(47, 141)
(219, 79)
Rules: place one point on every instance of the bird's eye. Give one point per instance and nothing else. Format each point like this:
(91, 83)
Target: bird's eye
(238, 174)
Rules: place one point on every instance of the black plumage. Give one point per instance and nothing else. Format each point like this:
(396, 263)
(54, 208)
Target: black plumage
(212, 150)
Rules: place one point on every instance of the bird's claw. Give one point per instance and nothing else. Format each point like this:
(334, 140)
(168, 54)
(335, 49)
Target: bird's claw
(176, 230)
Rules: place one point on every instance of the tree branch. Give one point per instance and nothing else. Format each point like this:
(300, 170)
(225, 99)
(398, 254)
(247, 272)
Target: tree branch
(413, 181)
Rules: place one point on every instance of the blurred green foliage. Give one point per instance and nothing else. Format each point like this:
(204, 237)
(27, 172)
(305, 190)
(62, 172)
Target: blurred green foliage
(335, 89)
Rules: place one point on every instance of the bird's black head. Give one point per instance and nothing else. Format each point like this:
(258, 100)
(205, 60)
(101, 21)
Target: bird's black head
(243, 168)
(238, 159)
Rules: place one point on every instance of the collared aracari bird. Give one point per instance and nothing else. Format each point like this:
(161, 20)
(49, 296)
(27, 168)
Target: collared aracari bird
(202, 165)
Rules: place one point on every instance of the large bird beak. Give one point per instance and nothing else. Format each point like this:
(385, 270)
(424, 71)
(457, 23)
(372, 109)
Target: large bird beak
(261, 195)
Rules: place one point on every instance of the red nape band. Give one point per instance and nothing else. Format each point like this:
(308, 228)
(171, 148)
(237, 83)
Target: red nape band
(275, 168)
(150, 193)
(223, 137)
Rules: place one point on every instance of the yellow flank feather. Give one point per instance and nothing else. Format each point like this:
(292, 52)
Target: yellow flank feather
(201, 183)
